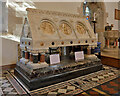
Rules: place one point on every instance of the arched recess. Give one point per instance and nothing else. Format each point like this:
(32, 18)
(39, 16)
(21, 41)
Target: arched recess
(99, 9)
(47, 27)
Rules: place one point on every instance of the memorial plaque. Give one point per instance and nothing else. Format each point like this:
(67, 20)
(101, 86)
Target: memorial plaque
(54, 59)
(79, 56)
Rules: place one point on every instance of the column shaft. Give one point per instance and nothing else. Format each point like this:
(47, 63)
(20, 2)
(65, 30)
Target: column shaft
(31, 57)
(26, 55)
(42, 57)
(35, 58)
(107, 43)
(81, 48)
(116, 43)
(23, 54)
(88, 50)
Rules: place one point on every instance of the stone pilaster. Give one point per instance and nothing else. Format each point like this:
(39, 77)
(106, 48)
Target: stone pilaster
(108, 43)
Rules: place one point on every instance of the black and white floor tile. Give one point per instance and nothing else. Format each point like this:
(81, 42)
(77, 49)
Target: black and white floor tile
(71, 87)
(6, 87)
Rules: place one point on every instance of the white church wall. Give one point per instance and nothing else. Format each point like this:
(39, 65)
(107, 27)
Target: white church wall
(16, 17)
(0, 33)
(110, 9)
(0, 51)
(69, 7)
(3, 17)
(9, 51)
(0, 17)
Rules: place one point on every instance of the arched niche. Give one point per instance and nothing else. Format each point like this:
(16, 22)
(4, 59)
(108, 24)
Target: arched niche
(47, 27)
(65, 27)
(99, 9)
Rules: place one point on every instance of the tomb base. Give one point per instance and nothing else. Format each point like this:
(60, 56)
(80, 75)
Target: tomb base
(59, 73)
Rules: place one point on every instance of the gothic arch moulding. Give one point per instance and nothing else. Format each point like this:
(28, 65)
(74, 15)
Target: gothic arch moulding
(98, 9)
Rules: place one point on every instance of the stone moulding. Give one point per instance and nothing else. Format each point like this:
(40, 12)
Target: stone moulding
(38, 11)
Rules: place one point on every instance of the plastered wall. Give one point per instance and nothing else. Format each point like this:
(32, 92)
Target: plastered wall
(1, 52)
(110, 9)
(9, 51)
(69, 7)
(15, 19)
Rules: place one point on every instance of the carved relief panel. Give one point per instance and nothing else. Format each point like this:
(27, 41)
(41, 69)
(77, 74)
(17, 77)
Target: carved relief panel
(47, 28)
(81, 30)
(66, 30)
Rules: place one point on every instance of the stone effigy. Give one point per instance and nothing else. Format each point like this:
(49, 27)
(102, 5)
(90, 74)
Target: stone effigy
(49, 32)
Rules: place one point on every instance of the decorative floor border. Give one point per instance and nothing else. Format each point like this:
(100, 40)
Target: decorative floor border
(78, 85)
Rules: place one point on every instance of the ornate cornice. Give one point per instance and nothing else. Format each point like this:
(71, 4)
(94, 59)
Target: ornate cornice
(39, 11)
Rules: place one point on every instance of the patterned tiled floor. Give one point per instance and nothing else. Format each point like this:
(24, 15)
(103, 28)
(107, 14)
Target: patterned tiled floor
(80, 84)
(5, 86)
(108, 88)
(95, 83)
